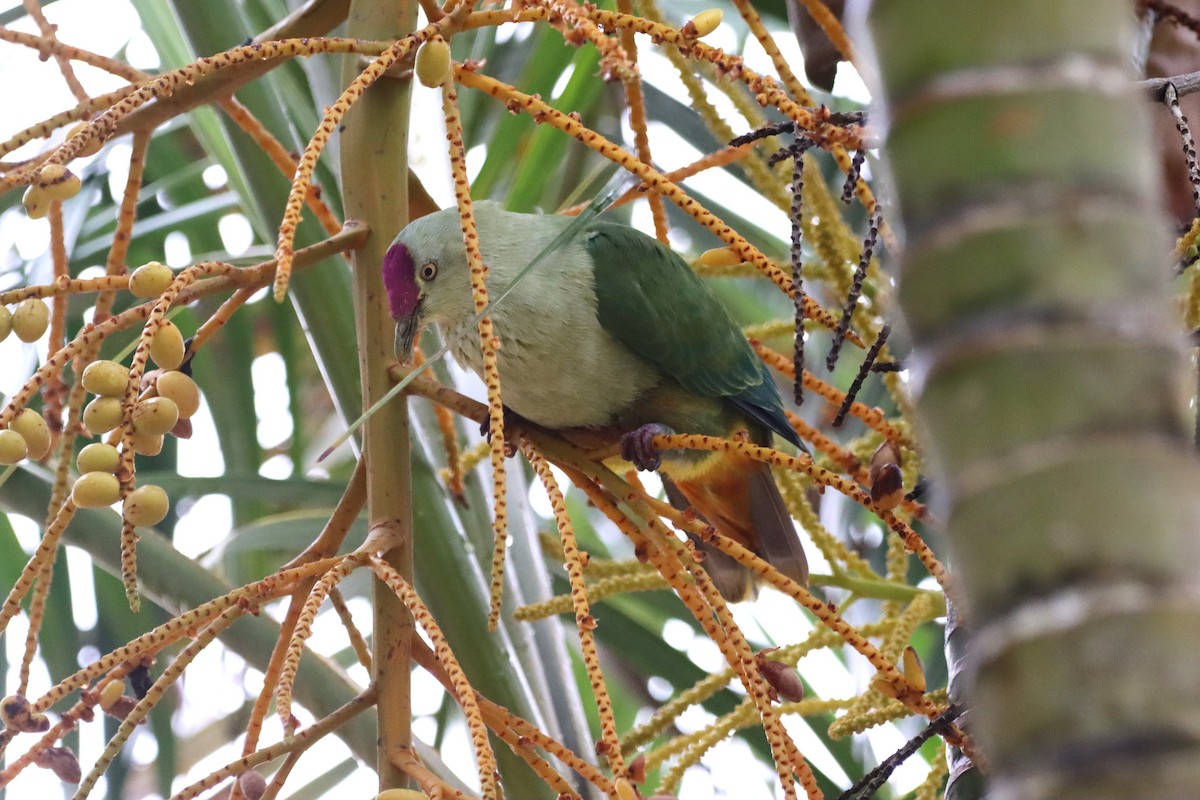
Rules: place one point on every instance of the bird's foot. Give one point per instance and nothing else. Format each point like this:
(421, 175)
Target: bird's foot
(637, 446)
(512, 420)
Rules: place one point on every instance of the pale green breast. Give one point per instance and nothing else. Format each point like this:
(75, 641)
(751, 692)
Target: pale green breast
(558, 366)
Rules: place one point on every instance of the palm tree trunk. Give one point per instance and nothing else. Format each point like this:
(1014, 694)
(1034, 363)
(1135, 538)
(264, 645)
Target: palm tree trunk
(1047, 363)
(374, 160)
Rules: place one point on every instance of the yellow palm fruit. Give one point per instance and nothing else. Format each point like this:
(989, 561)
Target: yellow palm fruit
(433, 62)
(31, 319)
(34, 431)
(96, 490)
(102, 415)
(12, 447)
(166, 346)
(155, 416)
(182, 389)
(106, 378)
(146, 505)
(145, 444)
(36, 202)
(58, 182)
(110, 692)
(720, 257)
(702, 24)
(98, 457)
(150, 279)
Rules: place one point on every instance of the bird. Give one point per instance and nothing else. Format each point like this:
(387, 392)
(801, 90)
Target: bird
(611, 335)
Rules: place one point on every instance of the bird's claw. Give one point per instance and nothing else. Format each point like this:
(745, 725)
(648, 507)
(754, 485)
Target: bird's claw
(637, 446)
(511, 421)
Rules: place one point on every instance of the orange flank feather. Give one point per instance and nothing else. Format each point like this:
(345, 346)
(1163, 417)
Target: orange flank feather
(720, 494)
(738, 497)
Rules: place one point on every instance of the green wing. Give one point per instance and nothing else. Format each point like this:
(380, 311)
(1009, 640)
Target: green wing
(652, 302)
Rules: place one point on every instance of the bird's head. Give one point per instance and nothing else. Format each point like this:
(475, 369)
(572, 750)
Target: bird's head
(426, 277)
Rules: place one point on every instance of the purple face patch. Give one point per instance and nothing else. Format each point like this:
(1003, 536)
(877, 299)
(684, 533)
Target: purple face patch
(400, 281)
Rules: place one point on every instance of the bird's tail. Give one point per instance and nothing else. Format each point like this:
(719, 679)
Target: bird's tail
(740, 499)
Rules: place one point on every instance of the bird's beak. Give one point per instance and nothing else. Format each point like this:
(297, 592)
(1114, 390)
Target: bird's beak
(403, 297)
(407, 328)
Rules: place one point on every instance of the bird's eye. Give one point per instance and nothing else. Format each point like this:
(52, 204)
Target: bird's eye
(428, 271)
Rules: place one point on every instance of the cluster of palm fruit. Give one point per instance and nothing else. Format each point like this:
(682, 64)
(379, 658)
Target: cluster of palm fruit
(28, 321)
(165, 403)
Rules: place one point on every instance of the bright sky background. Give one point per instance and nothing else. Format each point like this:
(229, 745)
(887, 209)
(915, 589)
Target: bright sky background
(106, 27)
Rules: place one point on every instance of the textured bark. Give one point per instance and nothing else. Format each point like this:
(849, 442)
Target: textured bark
(1050, 383)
